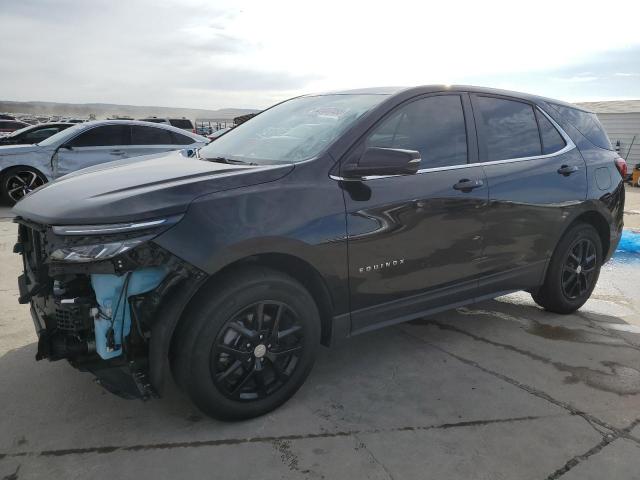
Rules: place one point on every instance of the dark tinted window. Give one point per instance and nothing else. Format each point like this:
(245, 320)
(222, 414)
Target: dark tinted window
(104, 136)
(179, 139)
(181, 123)
(40, 134)
(150, 136)
(587, 123)
(154, 120)
(509, 128)
(552, 141)
(434, 126)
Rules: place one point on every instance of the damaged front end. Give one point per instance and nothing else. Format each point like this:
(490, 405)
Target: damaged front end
(97, 292)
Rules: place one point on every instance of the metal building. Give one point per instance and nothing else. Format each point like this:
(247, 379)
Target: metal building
(621, 120)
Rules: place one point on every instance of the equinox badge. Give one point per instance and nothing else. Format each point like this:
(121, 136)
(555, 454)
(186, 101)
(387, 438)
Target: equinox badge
(380, 266)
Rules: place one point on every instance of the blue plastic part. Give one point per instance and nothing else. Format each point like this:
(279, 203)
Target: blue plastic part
(108, 288)
(630, 242)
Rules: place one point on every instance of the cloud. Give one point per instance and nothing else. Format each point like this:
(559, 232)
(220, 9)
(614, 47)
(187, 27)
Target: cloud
(251, 53)
(577, 79)
(626, 74)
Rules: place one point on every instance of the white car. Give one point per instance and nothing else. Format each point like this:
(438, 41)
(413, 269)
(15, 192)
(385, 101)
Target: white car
(26, 167)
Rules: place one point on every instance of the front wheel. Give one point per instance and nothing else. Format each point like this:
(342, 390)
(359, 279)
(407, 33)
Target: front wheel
(16, 182)
(573, 271)
(247, 348)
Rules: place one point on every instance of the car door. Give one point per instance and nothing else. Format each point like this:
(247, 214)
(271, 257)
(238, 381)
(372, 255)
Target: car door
(146, 140)
(100, 144)
(414, 239)
(535, 176)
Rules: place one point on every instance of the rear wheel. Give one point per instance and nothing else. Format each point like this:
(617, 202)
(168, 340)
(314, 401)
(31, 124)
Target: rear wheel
(16, 182)
(247, 348)
(573, 271)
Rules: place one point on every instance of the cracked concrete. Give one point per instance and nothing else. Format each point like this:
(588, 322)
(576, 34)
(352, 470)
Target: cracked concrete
(498, 390)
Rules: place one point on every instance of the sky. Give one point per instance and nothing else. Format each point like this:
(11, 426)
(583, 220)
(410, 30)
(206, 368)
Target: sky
(251, 54)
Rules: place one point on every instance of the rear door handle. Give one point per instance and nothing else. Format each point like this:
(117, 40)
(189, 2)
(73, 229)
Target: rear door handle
(467, 185)
(567, 170)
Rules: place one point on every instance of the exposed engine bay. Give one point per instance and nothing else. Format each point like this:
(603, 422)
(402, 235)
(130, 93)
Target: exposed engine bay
(95, 294)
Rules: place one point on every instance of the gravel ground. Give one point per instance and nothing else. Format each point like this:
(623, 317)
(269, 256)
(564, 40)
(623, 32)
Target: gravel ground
(498, 390)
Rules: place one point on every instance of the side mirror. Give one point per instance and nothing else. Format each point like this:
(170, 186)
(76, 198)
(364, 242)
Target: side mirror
(66, 146)
(383, 161)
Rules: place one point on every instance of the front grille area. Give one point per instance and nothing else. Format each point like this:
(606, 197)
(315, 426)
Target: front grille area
(70, 319)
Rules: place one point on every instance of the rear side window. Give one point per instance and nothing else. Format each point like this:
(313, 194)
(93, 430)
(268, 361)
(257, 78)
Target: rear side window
(179, 139)
(586, 123)
(509, 128)
(433, 125)
(552, 141)
(150, 136)
(181, 123)
(104, 136)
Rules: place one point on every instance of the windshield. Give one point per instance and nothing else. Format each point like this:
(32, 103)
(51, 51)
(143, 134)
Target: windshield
(60, 137)
(292, 131)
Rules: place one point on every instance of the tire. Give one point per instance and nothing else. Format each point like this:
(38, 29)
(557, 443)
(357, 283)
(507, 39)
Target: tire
(573, 271)
(219, 358)
(16, 182)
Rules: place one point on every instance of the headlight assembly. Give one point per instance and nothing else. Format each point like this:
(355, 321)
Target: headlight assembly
(98, 251)
(110, 239)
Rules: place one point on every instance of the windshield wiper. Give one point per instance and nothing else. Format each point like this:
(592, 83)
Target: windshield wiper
(231, 161)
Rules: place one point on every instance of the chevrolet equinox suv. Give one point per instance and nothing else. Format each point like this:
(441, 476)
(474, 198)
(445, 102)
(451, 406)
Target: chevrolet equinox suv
(323, 217)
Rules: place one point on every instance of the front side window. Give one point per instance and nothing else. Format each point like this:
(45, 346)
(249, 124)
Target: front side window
(150, 136)
(434, 126)
(104, 136)
(508, 128)
(293, 131)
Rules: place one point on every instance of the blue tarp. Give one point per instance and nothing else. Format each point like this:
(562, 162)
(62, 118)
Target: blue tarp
(630, 242)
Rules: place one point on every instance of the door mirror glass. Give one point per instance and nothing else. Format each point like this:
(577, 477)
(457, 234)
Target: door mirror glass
(384, 161)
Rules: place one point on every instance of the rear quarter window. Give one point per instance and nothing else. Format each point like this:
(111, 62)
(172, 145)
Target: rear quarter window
(586, 123)
(179, 139)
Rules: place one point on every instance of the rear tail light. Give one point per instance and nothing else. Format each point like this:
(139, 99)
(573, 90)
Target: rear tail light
(621, 165)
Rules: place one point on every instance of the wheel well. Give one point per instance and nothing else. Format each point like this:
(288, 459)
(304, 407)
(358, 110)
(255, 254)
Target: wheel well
(597, 221)
(298, 269)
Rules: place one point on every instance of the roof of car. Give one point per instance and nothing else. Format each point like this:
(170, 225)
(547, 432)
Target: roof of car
(145, 124)
(453, 88)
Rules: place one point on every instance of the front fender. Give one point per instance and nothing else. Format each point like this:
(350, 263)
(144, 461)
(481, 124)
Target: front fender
(38, 158)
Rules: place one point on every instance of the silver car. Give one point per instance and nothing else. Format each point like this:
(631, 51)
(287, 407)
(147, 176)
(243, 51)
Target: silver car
(26, 167)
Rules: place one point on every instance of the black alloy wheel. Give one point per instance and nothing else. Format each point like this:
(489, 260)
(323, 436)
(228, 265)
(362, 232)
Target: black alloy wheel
(246, 343)
(572, 272)
(257, 351)
(578, 271)
(18, 182)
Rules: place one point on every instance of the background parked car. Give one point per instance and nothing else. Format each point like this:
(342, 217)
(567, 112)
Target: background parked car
(26, 167)
(9, 126)
(183, 123)
(33, 133)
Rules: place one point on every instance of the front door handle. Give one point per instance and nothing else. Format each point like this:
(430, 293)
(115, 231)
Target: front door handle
(467, 185)
(116, 152)
(567, 170)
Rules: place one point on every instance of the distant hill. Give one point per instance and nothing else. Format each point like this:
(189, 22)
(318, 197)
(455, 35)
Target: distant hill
(105, 110)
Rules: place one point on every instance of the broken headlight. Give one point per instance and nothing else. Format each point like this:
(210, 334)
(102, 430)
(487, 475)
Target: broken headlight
(107, 247)
(98, 251)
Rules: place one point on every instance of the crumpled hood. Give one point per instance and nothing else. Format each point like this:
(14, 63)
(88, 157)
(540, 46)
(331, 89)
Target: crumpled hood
(137, 188)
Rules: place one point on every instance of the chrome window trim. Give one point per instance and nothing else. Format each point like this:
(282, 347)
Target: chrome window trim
(567, 148)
